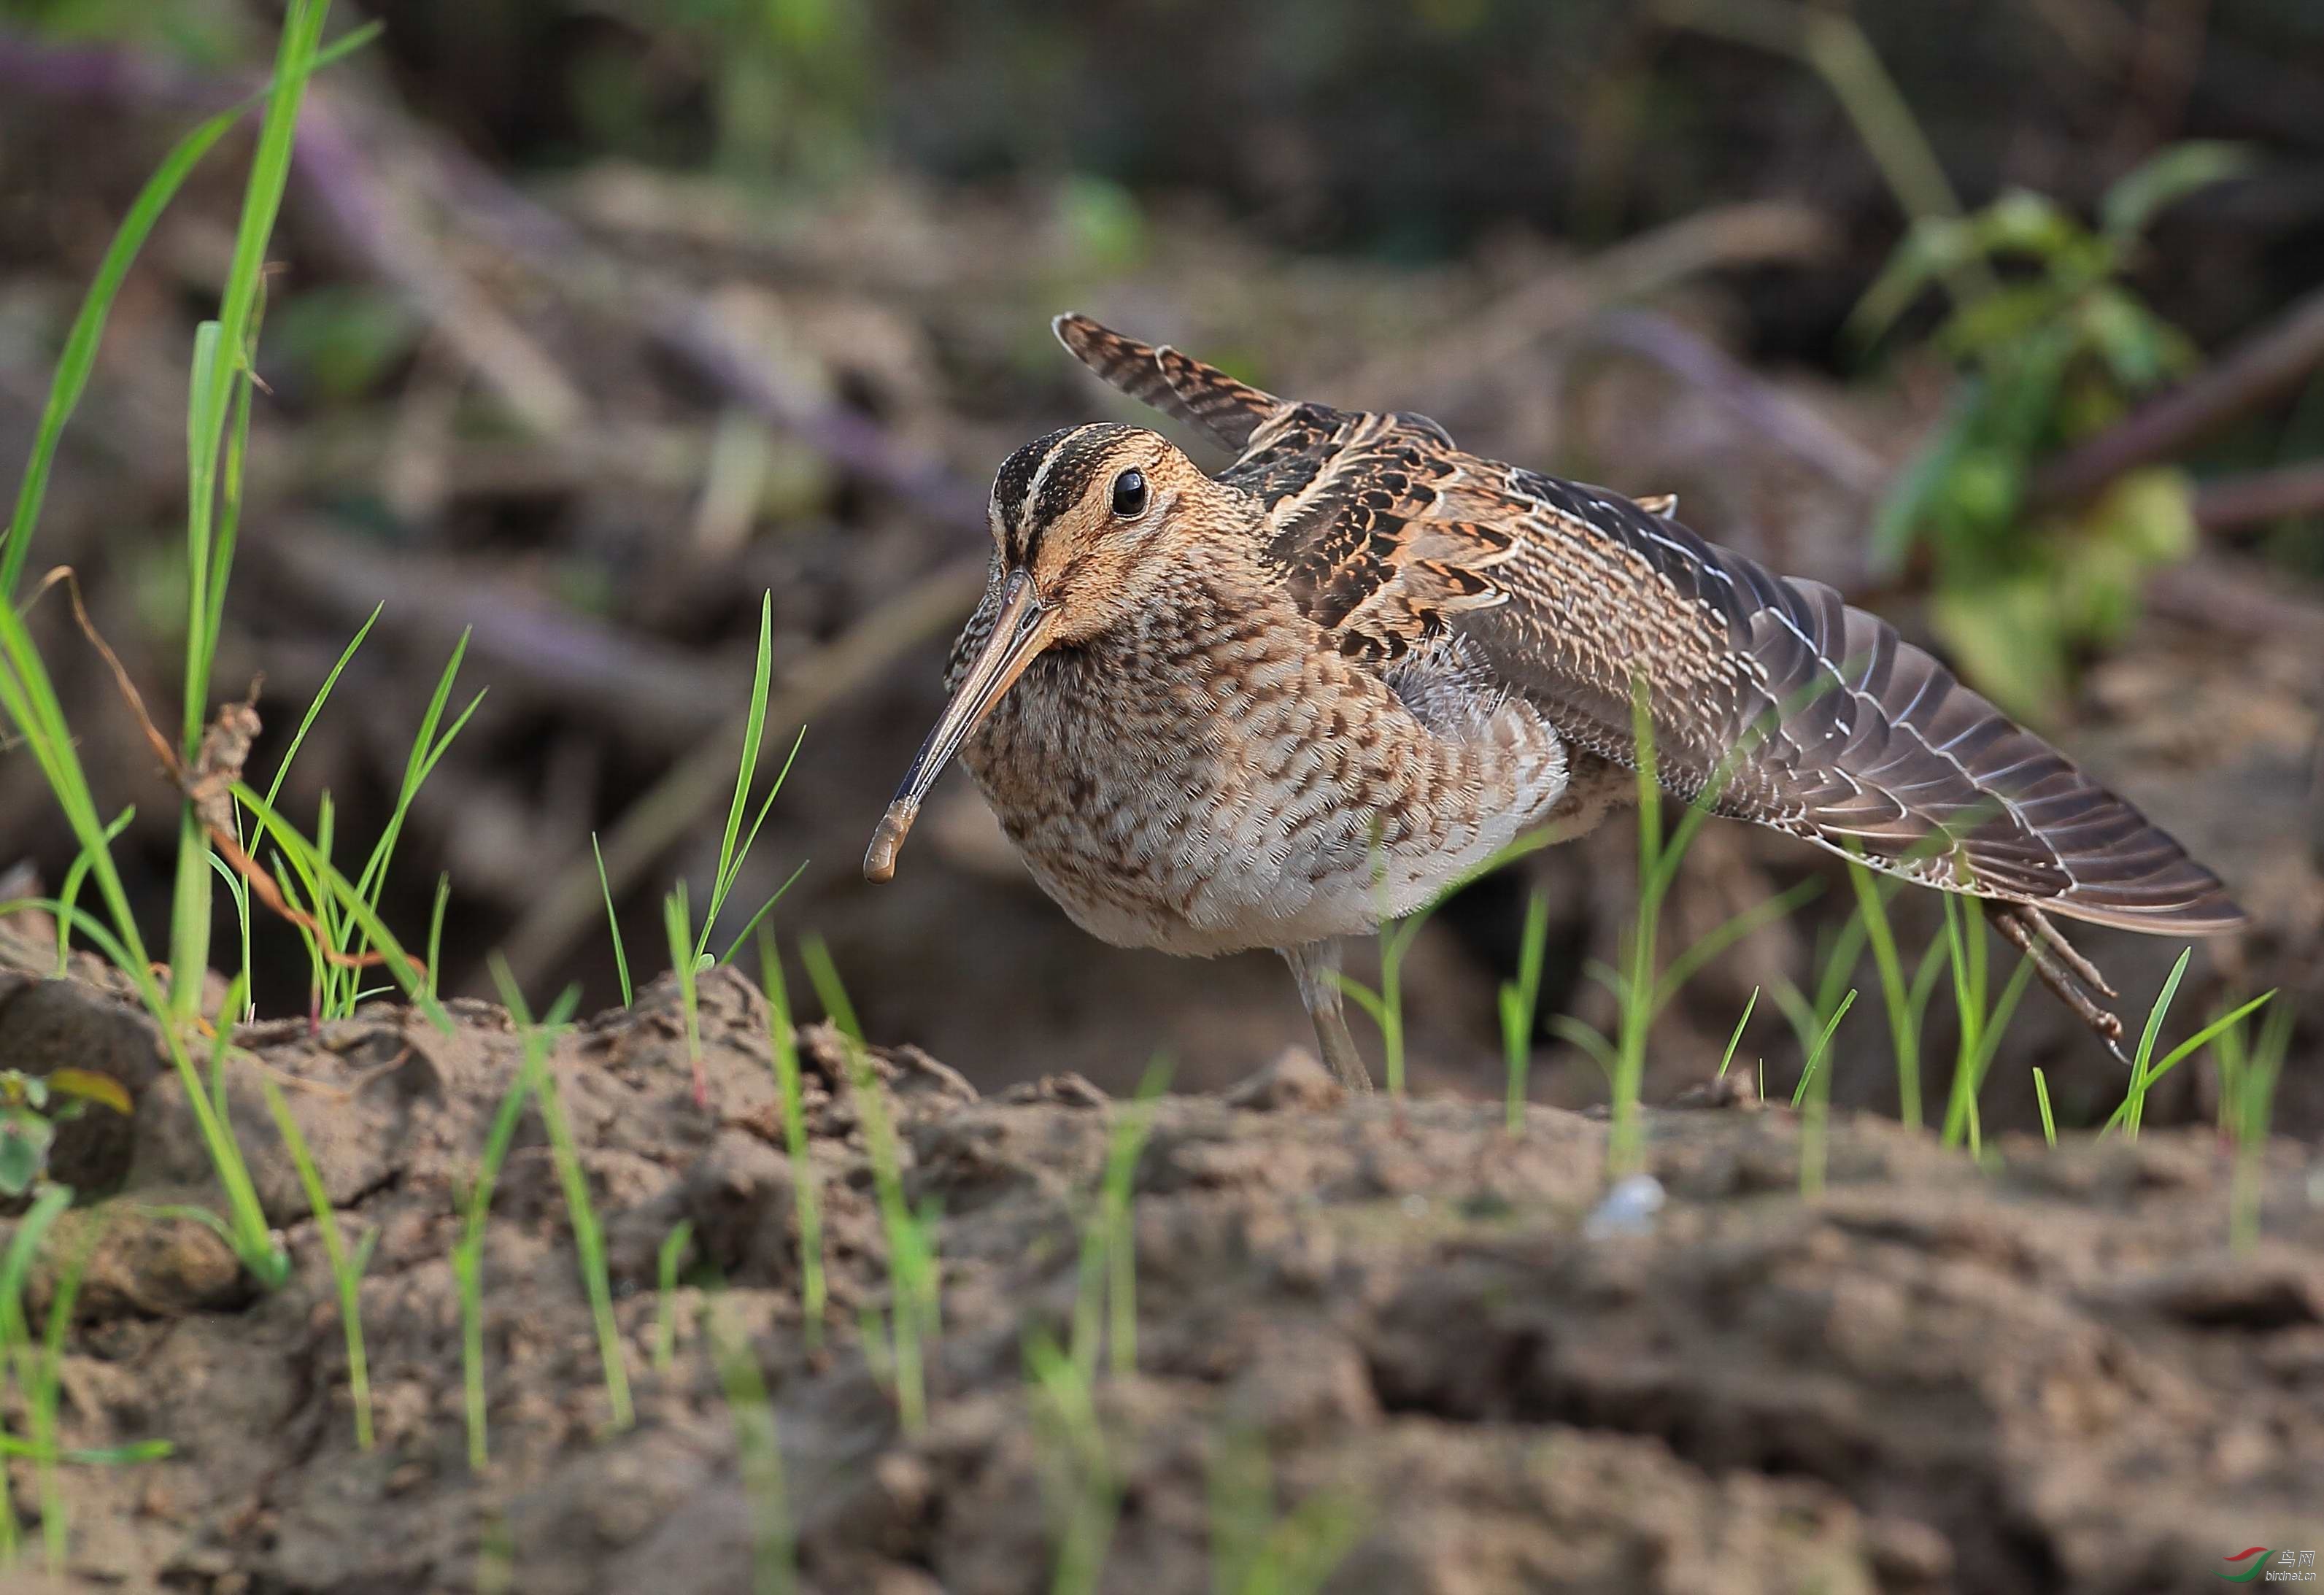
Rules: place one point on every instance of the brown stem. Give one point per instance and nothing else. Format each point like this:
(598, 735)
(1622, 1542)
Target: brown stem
(2265, 364)
(2262, 496)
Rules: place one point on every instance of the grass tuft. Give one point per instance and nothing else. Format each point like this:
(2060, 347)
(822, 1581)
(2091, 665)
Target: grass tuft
(1903, 1019)
(1079, 1477)
(2126, 1118)
(1735, 1041)
(1106, 1287)
(589, 1236)
(1255, 1552)
(2247, 1080)
(1980, 1029)
(613, 923)
(218, 402)
(1520, 1005)
(467, 1266)
(217, 425)
(346, 1266)
(18, 1358)
(774, 1550)
(806, 1202)
(1385, 1004)
(666, 1257)
(914, 1319)
(1812, 1097)
(676, 923)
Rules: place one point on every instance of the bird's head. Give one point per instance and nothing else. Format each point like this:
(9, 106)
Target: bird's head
(1087, 524)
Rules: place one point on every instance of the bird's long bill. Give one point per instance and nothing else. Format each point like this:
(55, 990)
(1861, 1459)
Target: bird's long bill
(1019, 632)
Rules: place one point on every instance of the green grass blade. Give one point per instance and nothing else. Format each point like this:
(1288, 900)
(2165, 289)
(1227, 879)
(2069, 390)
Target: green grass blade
(237, 891)
(1687, 965)
(589, 1234)
(754, 727)
(78, 357)
(911, 1264)
(426, 748)
(1520, 1007)
(47, 1383)
(666, 1257)
(1812, 1120)
(764, 908)
(28, 698)
(759, 1457)
(435, 932)
(1118, 1192)
(70, 894)
(17, 1265)
(1736, 1040)
(222, 351)
(315, 705)
(1816, 1052)
(1995, 1029)
(346, 1274)
(2134, 1101)
(823, 976)
(682, 962)
(613, 923)
(1589, 1038)
(766, 805)
(396, 962)
(237, 1002)
(2123, 1118)
(1903, 1037)
(782, 1039)
(1087, 1494)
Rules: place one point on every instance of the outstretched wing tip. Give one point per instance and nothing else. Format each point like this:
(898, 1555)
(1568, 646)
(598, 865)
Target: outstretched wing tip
(1168, 380)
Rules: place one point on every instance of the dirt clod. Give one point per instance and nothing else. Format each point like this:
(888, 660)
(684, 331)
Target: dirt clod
(2048, 1374)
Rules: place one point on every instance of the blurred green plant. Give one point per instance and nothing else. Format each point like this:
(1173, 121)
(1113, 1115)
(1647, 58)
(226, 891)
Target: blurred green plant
(788, 83)
(31, 1106)
(2053, 346)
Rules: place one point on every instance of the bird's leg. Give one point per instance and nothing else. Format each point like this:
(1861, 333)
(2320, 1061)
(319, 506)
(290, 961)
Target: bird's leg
(1317, 967)
(2062, 968)
(2084, 970)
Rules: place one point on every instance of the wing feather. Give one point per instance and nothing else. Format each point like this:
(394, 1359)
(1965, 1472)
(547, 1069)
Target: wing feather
(1171, 381)
(1784, 705)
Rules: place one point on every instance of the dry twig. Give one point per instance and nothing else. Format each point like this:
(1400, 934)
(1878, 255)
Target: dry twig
(209, 785)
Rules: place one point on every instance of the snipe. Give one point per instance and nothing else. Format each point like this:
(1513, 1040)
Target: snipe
(1273, 707)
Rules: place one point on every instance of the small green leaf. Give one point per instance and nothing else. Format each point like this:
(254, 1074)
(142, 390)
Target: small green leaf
(2165, 179)
(1993, 324)
(91, 1086)
(24, 1140)
(1934, 246)
(2154, 512)
(2021, 222)
(1907, 504)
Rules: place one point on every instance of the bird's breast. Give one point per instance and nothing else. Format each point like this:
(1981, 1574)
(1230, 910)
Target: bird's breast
(1247, 788)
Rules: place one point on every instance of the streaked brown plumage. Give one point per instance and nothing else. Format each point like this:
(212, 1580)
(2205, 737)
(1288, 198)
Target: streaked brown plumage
(1275, 708)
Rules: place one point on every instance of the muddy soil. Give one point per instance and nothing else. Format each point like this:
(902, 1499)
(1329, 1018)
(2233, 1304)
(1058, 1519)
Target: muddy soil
(2046, 1373)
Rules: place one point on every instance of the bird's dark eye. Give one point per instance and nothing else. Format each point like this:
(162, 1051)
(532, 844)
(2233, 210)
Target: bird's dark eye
(1129, 494)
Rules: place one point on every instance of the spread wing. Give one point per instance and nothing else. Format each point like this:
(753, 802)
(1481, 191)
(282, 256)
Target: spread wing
(1789, 707)
(1174, 383)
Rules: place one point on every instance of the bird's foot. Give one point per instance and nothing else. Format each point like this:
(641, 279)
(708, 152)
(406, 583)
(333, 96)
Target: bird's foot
(2063, 969)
